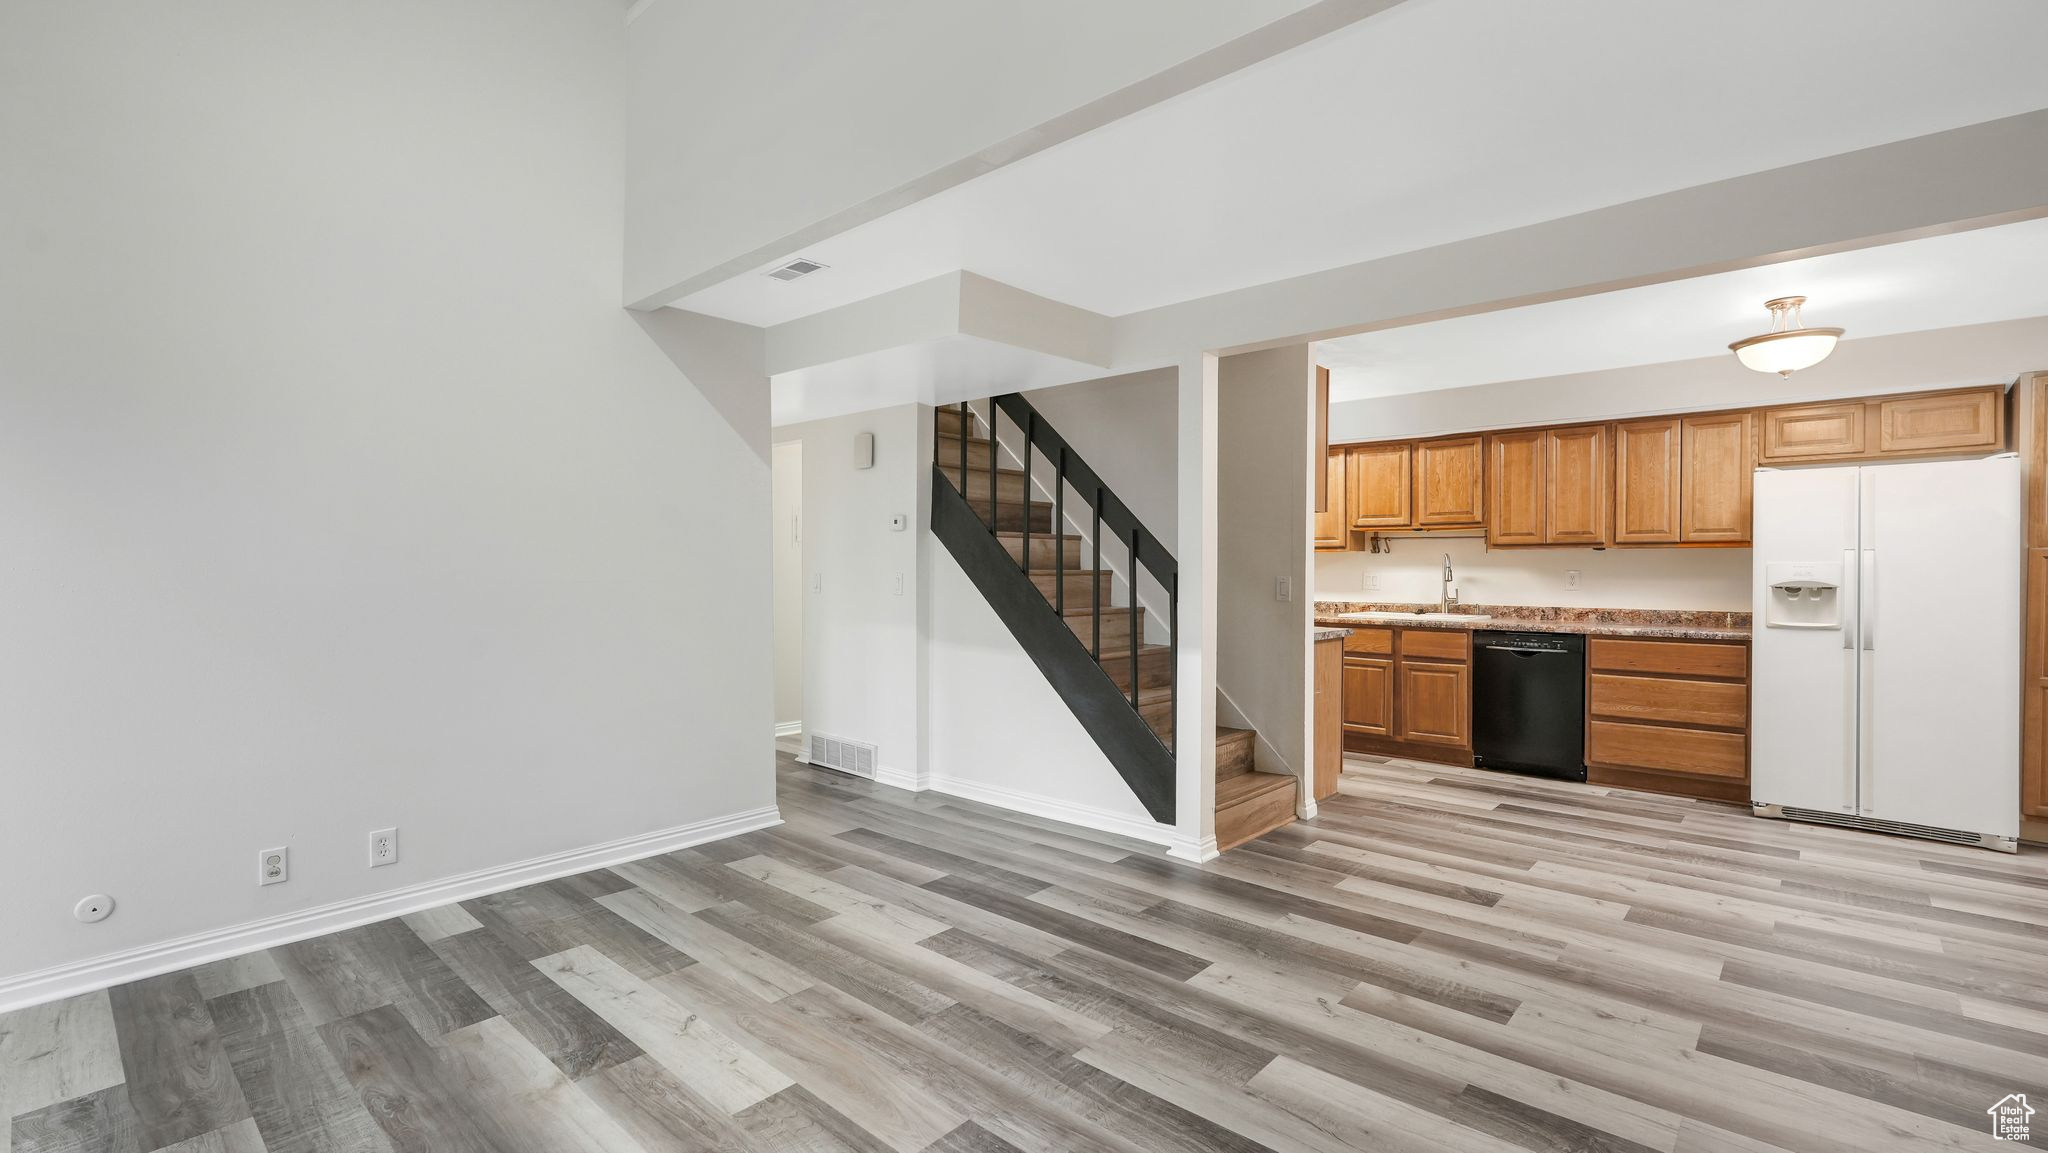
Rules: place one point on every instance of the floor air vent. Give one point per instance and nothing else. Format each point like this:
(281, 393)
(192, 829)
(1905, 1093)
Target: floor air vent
(1880, 825)
(855, 757)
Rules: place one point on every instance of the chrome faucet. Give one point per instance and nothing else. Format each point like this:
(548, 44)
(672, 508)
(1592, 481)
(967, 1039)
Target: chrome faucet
(1447, 600)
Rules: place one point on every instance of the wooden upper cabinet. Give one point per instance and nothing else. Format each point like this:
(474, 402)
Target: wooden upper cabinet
(1333, 527)
(1718, 476)
(1647, 482)
(1324, 493)
(1450, 482)
(1812, 432)
(1943, 422)
(1515, 491)
(1378, 477)
(1575, 485)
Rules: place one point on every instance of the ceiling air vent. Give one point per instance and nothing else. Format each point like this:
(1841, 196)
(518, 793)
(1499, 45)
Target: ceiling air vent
(796, 268)
(856, 757)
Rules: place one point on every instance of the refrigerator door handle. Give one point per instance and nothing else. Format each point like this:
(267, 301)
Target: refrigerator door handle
(1866, 596)
(1848, 605)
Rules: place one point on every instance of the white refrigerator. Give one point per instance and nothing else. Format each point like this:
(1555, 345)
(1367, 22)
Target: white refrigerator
(1885, 667)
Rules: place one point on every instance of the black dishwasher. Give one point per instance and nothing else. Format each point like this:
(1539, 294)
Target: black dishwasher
(1529, 703)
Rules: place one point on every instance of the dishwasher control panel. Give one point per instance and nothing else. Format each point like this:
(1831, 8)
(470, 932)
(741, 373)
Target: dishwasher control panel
(1530, 642)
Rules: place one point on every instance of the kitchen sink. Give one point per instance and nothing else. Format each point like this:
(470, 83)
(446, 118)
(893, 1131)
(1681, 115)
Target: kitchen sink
(1413, 616)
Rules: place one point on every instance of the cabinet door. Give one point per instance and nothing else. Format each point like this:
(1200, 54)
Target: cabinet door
(1333, 526)
(1812, 432)
(1369, 696)
(1435, 703)
(1324, 493)
(1379, 476)
(1646, 482)
(1450, 489)
(1514, 480)
(1576, 488)
(1949, 422)
(1718, 476)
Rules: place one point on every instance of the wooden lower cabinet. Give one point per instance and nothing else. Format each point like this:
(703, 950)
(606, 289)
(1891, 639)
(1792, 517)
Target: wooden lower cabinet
(1668, 716)
(2034, 702)
(1408, 692)
(1329, 718)
(1436, 703)
(1369, 695)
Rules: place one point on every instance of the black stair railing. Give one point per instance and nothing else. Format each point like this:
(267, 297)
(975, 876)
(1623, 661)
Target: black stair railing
(1078, 669)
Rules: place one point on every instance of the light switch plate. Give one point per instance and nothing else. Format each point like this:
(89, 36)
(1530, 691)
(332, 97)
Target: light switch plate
(1283, 588)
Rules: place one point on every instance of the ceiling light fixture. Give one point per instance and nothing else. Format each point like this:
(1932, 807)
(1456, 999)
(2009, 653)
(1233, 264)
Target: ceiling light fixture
(1789, 346)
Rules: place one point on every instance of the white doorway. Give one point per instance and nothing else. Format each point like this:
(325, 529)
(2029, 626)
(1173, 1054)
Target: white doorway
(786, 501)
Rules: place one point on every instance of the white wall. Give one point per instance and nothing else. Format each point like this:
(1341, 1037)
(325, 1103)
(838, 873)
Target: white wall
(1938, 358)
(337, 490)
(861, 678)
(787, 504)
(1263, 660)
(1125, 426)
(1708, 579)
(849, 111)
(998, 730)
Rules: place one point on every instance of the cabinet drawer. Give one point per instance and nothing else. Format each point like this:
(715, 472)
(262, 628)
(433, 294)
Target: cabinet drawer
(1370, 641)
(1719, 703)
(1436, 644)
(1669, 750)
(1679, 658)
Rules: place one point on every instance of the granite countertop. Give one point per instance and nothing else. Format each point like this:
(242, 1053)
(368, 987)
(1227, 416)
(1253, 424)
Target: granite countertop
(1329, 633)
(1667, 624)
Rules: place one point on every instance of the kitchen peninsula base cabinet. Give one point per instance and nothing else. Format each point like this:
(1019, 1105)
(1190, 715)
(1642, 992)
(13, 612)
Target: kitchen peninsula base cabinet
(1408, 693)
(1668, 716)
(1329, 717)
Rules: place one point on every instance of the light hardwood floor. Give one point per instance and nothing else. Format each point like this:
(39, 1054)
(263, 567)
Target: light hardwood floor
(1444, 960)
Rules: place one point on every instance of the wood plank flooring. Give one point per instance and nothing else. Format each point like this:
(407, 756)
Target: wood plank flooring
(1444, 960)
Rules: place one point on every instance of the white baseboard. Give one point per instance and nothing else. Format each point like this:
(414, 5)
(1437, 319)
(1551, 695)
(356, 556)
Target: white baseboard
(1190, 849)
(789, 729)
(1039, 805)
(215, 944)
(901, 779)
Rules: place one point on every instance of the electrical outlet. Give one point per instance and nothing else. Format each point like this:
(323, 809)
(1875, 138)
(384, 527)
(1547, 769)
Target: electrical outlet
(383, 847)
(274, 866)
(1571, 578)
(1372, 582)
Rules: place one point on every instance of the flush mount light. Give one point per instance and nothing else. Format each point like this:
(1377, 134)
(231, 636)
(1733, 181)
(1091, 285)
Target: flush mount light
(1789, 346)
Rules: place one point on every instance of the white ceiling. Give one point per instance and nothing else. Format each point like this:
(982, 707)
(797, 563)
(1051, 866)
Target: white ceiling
(1966, 278)
(1435, 121)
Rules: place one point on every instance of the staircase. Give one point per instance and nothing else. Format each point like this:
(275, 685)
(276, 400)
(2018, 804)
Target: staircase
(1056, 596)
(1249, 803)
